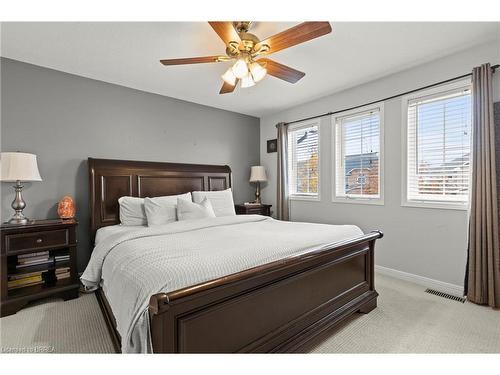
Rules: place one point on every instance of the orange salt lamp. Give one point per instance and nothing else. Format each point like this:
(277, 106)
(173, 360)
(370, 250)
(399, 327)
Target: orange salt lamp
(66, 208)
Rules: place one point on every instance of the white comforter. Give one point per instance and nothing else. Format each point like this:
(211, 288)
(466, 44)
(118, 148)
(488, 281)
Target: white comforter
(133, 266)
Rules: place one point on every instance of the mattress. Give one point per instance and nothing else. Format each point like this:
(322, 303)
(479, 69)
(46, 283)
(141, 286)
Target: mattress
(131, 265)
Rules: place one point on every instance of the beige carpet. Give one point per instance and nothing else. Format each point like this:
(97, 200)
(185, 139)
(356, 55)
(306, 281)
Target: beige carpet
(74, 326)
(407, 320)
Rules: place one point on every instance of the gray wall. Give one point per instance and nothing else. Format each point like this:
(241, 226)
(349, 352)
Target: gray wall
(65, 119)
(421, 241)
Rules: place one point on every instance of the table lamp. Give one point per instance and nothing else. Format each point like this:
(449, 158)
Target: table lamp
(258, 175)
(17, 167)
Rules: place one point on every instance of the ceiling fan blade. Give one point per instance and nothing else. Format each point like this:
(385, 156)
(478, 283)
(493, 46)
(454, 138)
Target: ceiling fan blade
(281, 71)
(192, 60)
(227, 88)
(295, 35)
(226, 31)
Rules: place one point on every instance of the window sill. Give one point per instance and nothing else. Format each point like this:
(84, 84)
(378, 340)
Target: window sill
(308, 198)
(374, 201)
(435, 205)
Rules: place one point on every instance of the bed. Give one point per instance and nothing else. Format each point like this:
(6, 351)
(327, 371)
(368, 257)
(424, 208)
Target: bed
(277, 303)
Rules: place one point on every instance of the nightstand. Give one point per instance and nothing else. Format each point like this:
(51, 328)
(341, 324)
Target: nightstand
(38, 260)
(247, 209)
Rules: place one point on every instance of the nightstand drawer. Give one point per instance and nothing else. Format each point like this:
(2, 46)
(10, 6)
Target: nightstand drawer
(247, 209)
(15, 243)
(255, 211)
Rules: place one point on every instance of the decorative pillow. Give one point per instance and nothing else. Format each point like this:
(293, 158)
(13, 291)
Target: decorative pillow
(163, 210)
(187, 210)
(222, 201)
(132, 211)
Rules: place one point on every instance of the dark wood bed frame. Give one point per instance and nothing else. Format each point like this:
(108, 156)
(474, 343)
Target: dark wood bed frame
(276, 307)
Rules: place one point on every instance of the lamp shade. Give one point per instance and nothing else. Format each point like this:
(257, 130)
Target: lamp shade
(240, 68)
(258, 174)
(247, 81)
(258, 72)
(18, 166)
(229, 77)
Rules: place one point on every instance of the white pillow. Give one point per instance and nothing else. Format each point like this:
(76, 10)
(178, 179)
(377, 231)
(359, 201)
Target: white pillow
(222, 201)
(132, 211)
(163, 210)
(187, 210)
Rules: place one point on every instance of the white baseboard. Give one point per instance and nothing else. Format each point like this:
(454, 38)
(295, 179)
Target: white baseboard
(440, 286)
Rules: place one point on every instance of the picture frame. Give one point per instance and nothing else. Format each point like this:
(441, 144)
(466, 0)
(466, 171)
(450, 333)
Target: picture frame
(272, 145)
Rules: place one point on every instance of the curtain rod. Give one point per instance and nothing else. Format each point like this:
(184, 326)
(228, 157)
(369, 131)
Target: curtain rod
(493, 68)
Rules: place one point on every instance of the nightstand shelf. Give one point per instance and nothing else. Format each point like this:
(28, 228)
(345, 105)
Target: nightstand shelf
(252, 209)
(50, 238)
(42, 290)
(39, 267)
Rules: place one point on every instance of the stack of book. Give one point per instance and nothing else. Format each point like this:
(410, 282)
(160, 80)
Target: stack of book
(27, 279)
(33, 259)
(61, 258)
(62, 273)
(252, 204)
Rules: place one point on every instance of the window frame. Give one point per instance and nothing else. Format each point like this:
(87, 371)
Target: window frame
(432, 92)
(295, 127)
(337, 154)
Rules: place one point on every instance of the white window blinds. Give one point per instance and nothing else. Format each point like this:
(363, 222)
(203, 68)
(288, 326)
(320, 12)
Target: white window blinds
(438, 147)
(358, 155)
(303, 160)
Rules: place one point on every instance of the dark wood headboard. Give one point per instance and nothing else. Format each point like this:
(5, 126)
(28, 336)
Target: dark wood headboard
(112, 179)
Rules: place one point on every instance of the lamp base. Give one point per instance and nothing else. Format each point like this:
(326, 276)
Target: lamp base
(15, 220)
(18, 205)
(257, 194)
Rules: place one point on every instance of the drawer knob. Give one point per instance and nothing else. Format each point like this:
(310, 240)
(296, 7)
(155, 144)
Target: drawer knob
(39, 240)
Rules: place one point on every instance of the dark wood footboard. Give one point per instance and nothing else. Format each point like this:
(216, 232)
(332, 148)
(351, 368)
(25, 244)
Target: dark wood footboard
(276, 307)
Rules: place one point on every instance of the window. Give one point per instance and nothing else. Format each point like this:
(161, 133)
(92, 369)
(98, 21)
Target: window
(438, 138)
(303, 161)
(358, 140)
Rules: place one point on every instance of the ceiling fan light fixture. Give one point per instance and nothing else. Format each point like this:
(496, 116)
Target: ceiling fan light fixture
(246, 52)
(247, 81)
(229, 77)
(258, 71)
(240, 69)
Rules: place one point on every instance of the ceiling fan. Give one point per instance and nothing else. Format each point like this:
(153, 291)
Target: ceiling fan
(246, 50)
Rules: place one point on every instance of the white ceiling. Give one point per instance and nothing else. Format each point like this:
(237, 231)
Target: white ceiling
(127, 54)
